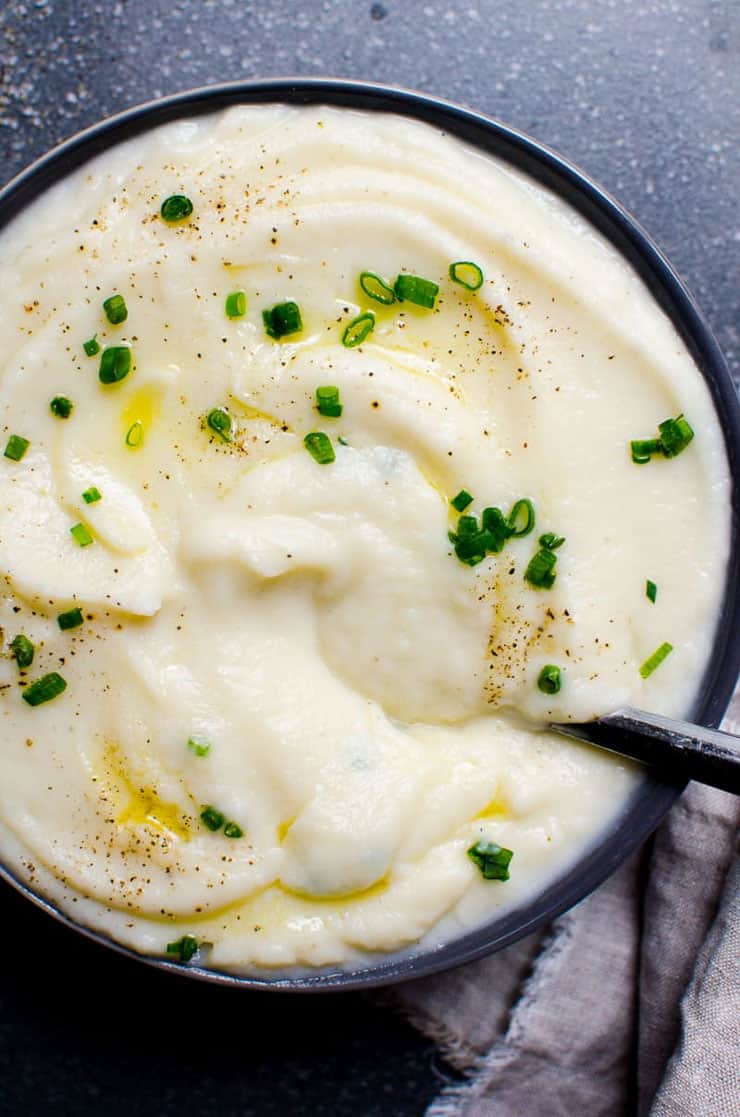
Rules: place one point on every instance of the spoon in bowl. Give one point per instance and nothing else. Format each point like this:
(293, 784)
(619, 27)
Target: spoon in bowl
(676, 749)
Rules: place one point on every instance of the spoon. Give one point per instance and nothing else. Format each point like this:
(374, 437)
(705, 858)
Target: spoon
(677, 749)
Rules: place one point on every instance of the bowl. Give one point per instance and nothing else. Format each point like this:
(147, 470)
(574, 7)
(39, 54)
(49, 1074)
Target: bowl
(652, 798)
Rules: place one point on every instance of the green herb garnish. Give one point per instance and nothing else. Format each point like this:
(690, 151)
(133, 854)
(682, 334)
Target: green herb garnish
(521, 518)
(91, 495)
(319, 447)
(675, 435)
(211, 818)
(71, 619)
(377, 288)
(462, 501)
(220, 423)
(16, 447)
(327, 402)
(61, 407)
(176, 208)
(550, 541)
(199, 748)
(81, 535)
(550, 679)
(115, 309)
(135, 434)
(655, 659)
(236, 304)
(492, 860)
(414, 289)
(467, 274)
(185, 949)
(44, 689)
(115, 364)
(540, 570)
(91, 347)
(651, 591)
(23, 650)
(358, 330)
(282, 319)
(232, 830)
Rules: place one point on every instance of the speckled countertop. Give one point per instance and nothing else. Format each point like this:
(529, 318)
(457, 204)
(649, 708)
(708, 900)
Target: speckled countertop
(645, 97)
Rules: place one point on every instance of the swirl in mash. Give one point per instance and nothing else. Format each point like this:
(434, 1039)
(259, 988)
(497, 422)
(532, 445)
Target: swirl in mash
(370, 702)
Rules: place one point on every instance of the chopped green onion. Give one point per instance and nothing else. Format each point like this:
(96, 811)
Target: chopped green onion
(655, 659)
(220, 423)
(492, 860)
(651, 590)
(91, 495)
(414, 289)
(236, 304)
(16, 447)
(22, 649)
(282, 319)
(115, 309)
(471, 549)
(550, 680)
(115, 364)
(71, 619)
(184, 949)
(497, 527)
(467, 525)
(199, 748)
(61, 407)
(377, 288)
(550, 541)
(642, 449)
(540, 571)
(319, 447)
(462, 500)
(81, 535)
(467, 274)
(358, 329)
(176, 208)
(44, 689)
(135, 434)
(516, 527)
(212, 818)
(675, 435)
(231, 830)
(91, 347)
(327, 402)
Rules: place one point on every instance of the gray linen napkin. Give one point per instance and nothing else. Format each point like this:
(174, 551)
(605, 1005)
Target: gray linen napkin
(627, 1004)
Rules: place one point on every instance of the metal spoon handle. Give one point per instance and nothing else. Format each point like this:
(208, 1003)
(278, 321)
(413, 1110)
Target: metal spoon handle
(678, 749)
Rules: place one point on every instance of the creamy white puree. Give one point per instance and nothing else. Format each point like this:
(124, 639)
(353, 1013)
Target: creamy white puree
(371, 703)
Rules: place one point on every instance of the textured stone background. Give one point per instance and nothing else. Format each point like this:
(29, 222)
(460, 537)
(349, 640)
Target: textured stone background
(646, 98)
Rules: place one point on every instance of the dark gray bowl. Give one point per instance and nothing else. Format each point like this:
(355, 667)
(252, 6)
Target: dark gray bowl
(652, 797)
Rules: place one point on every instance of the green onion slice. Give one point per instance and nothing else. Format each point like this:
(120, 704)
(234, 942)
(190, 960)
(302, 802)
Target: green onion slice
(377, 288)
(655, 659)
(494, 523)
(16, 447)
(462, 501)
(358, 329)
(675, 435)
(22, 649)
(232, 830)
(176, 208)
(282, 319)
(550, 679)
(185, 949)
(91, 495)
(642, 449)
(319, 447)
(467, 274)
(44, 689)
(651, 591)
(71, 619)
(328, 403)
(115, 309)
(236, 304)
(540, 571)
(135, 434)
(415, 289)
(199, 748)
(550, 541)
(81, 535)
(211, 818)
(467, 525)
(61, 407)
(492, 860)
(220, 423)
(521, 518)
(91, 347)
(115, 364)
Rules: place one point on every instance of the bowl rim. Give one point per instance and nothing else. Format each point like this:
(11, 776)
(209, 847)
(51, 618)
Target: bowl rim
(652, 798)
